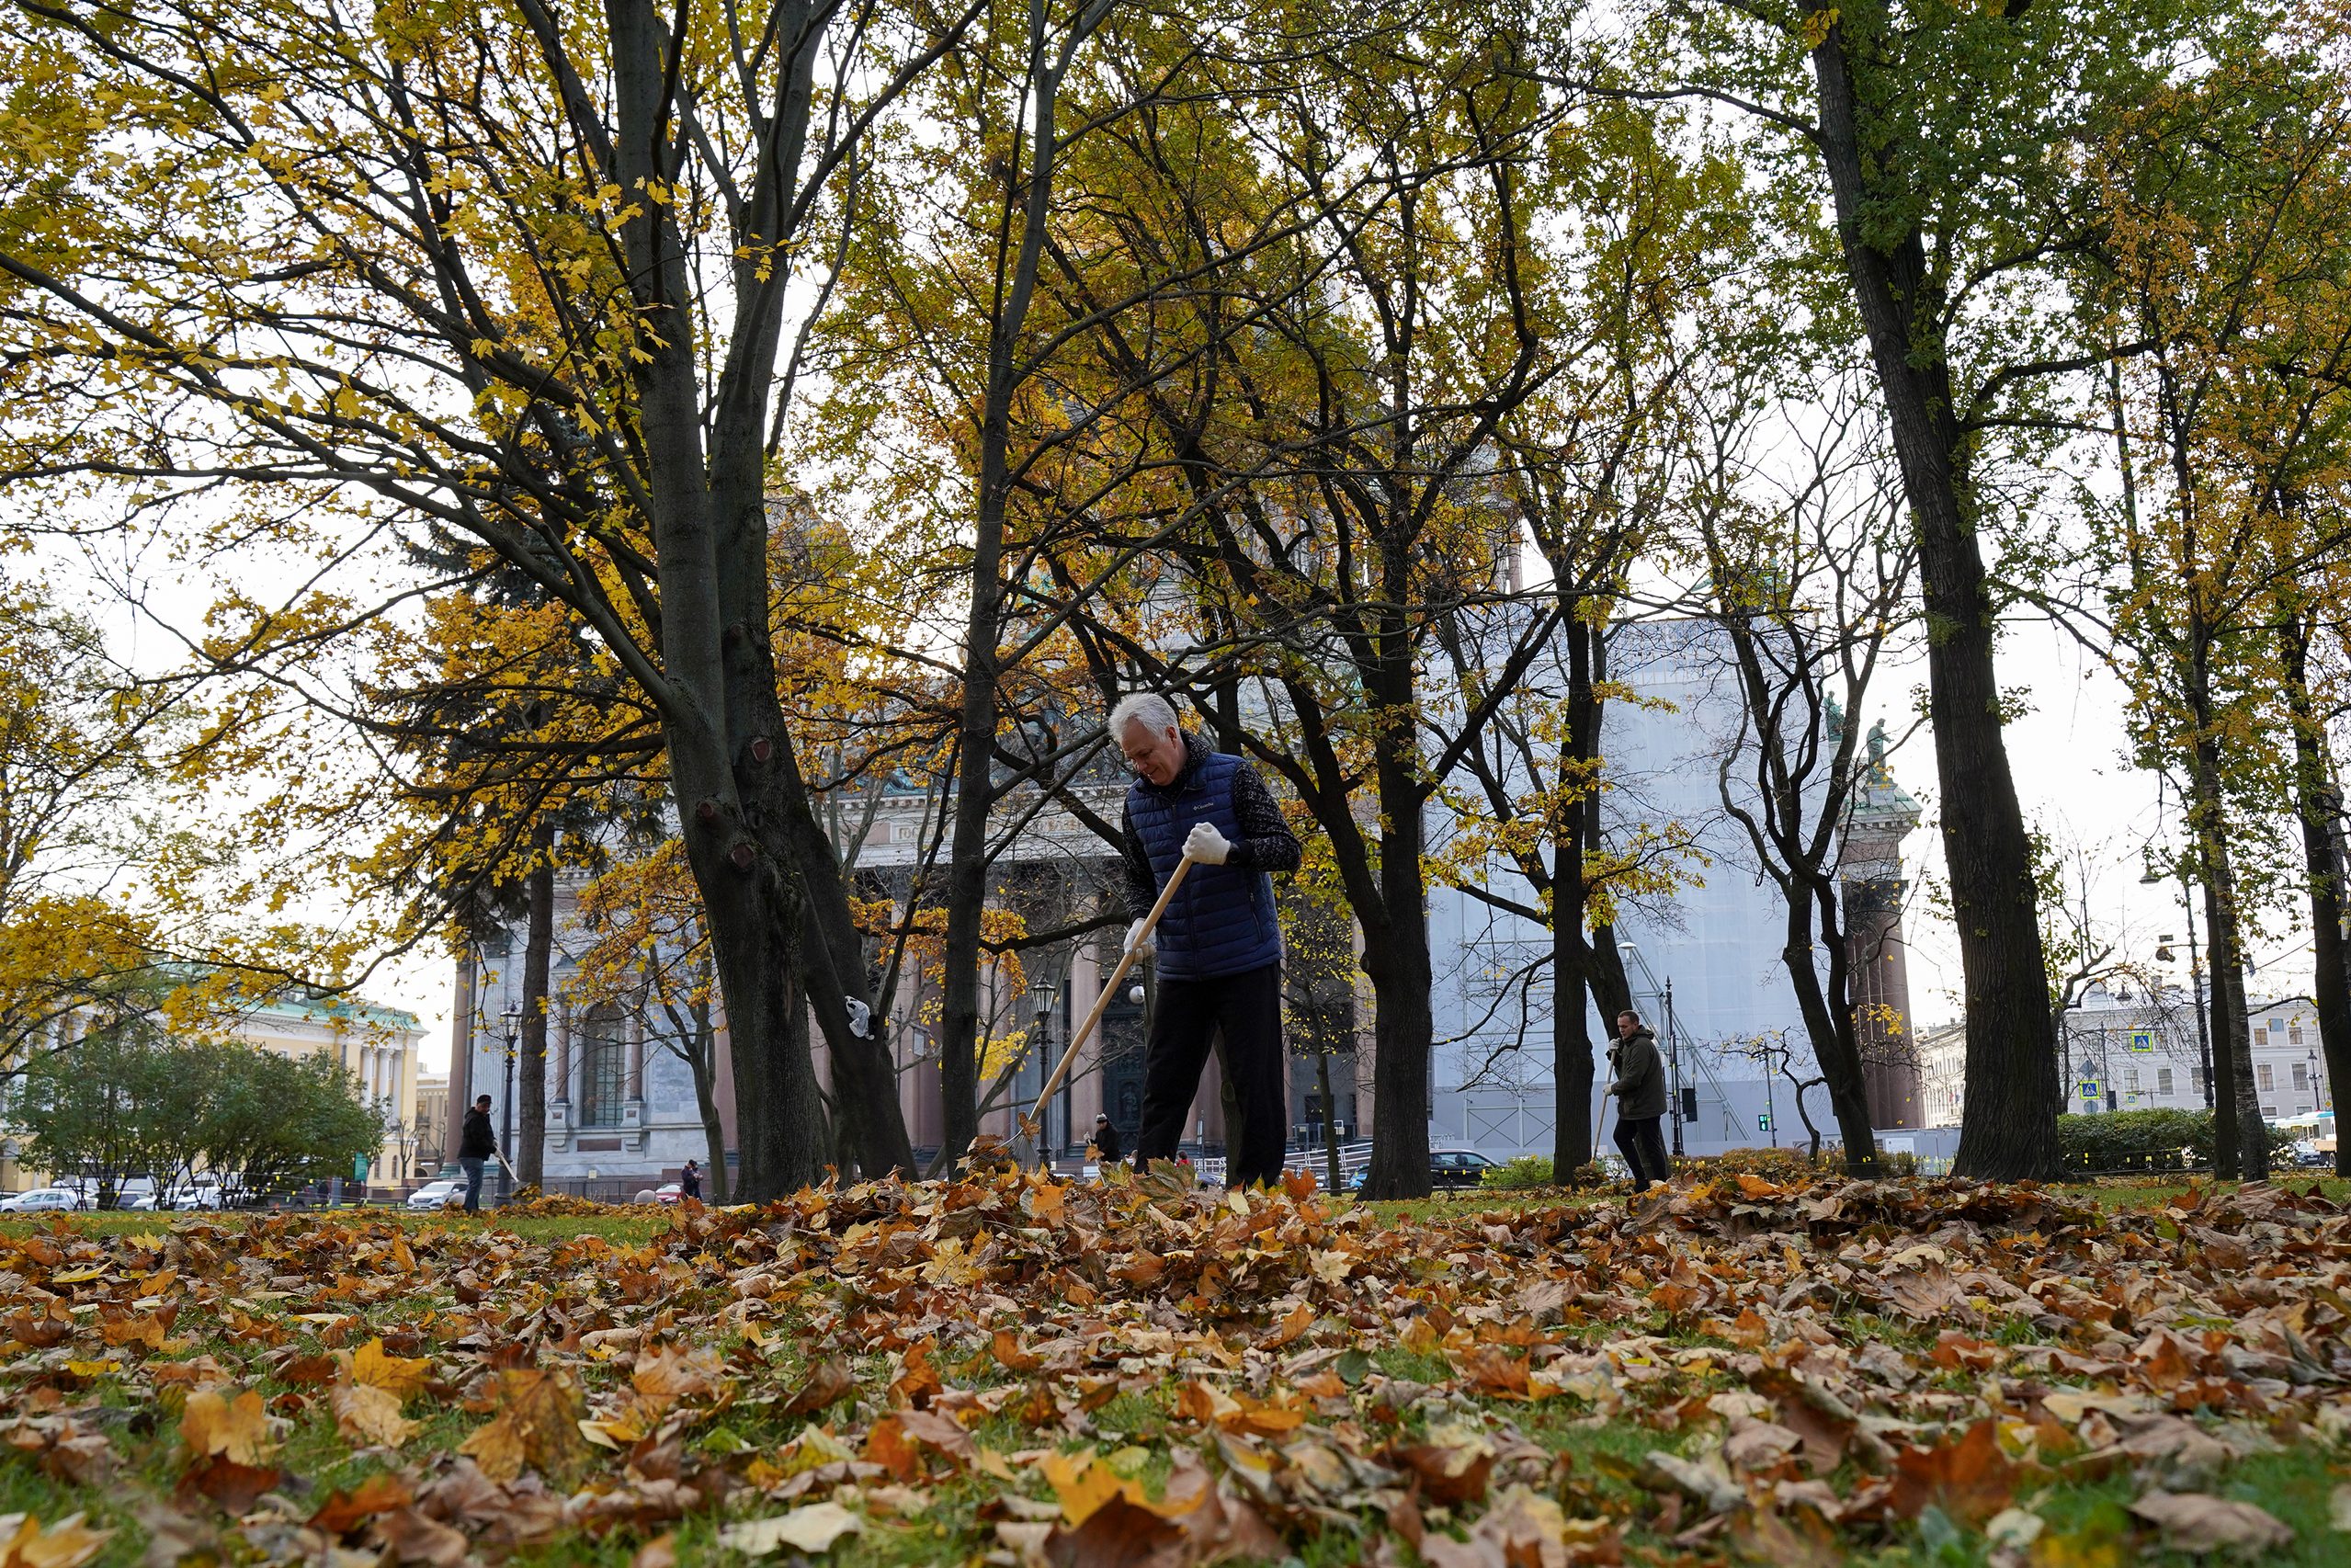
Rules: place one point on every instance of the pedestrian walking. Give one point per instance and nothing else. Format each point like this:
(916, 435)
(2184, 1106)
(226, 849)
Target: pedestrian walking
(1219, 942)
(1104, 1142)
(1639, 1086)
(689, 1182)
(477, 1145)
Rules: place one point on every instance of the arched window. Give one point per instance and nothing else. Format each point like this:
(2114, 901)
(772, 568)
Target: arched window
(604, 1066)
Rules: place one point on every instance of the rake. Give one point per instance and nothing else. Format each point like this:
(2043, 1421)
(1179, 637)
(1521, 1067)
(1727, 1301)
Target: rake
(1032, 1119)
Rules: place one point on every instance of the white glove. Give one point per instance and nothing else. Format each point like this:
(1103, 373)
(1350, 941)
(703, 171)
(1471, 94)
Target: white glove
(1139, 942)
(1206, 845)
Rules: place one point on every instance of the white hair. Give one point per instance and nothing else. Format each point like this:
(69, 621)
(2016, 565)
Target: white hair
(1142, 708)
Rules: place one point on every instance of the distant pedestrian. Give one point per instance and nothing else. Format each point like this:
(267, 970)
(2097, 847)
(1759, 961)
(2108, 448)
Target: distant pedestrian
(1106, 1141)
(689, 1182)
(477, 1145)
(1639, 1089)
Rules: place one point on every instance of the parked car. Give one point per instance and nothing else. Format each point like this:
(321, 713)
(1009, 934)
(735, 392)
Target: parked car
(435, 1194)
(1447, 1169)
(42, 1200)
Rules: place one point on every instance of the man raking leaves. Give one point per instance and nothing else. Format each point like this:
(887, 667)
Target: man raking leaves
(1203, 836)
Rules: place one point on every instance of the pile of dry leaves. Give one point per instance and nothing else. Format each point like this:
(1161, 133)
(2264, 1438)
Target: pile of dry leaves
(1011, 1368)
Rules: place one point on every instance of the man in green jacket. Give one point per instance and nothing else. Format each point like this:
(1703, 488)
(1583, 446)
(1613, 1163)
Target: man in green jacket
(1639, 1089)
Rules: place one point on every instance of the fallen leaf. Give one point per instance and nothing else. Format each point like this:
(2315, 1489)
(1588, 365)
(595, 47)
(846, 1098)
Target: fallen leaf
(398, 1375)
(410, 1537)
(813, 1528)
(236, 1428)
(2197, 1521)
(365, 1413)
(68, 1543)
(538, 1422)
(343, 1511)
(828, 1381)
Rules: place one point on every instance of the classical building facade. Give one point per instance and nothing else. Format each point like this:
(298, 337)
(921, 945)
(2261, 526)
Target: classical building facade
(376, 1045)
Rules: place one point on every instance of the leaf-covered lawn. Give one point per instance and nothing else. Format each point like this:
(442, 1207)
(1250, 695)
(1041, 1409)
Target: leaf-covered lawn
(1012, 1370)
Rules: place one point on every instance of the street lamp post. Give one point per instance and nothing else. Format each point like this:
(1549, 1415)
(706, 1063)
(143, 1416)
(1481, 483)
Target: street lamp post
(1045, 992)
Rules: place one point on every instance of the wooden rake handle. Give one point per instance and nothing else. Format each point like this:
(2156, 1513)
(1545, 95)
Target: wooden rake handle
(1032, 1120)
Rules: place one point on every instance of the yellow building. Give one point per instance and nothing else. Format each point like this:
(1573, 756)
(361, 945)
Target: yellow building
(377, 1046)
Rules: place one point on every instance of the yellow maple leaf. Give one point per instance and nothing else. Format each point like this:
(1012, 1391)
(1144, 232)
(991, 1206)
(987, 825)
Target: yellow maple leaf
(366, 1414)
(68, 1543)
(497, 1447)
(400, 1376)
(237, 1430)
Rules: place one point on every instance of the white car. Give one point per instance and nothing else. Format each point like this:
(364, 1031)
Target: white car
(434, 1194)
(41, 1199)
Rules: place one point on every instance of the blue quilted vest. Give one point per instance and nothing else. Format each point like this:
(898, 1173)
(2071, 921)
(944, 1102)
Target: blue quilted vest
(1222, 920)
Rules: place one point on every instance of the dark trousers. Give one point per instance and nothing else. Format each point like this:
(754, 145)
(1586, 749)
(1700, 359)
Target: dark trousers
(1644, 1147)
(472, 1169)
(1187, 1016)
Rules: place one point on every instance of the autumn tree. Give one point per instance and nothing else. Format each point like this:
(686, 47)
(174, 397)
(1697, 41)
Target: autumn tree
(521, 274)
(1807, 584)
(1595, 477)
(1335, 447)
(83, 757)
(648, 955)
(1941, 136)
(2222, 260)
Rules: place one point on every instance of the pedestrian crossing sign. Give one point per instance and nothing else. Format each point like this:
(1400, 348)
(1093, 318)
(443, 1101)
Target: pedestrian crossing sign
(2089, 1088)
(2142, 1039)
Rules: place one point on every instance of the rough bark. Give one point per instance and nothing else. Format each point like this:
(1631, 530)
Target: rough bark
(968, 857)
(2318, 805)
(710, 522)
(2009, 1119)
(2241, 1139)
(706, 1102)
(538, 950)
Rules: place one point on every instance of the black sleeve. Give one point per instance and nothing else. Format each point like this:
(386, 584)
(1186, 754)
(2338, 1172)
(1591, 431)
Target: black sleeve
(1266, 844)
(1142, 883)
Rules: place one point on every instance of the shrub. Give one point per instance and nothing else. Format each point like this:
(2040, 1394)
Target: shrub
(1527, 1170)
(1772, 1165)
(1895, 1162)
(2135, 1140)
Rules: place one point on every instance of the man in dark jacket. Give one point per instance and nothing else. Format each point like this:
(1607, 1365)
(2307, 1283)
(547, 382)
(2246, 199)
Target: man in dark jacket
(1218, 943)
(1639, 1089)
(1105, 1139)
(476, 1146)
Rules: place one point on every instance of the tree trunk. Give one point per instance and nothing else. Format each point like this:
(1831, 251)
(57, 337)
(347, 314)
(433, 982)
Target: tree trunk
(1571, 1066)
(967, 887)
(538, 950)
(1402, 977)
(723, 723)
(2241, 1141)
(705, 1100)
(834, 973)
(1573, 966)
(1827, 1009)
(2319, 806)
(2009, 1123)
